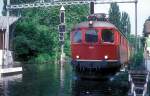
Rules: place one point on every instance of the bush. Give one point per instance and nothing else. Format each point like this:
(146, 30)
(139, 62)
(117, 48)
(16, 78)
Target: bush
(137, 60)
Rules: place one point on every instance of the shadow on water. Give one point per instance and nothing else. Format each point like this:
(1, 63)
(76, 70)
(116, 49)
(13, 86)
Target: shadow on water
(98, 88)
(91, 88)
(58, 80)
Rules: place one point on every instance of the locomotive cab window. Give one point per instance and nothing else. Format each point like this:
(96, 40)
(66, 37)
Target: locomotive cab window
(91, 36)
(107, 36)
(77, 37)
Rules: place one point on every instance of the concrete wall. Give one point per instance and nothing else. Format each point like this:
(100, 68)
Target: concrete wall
(8, 59)
(1, 58)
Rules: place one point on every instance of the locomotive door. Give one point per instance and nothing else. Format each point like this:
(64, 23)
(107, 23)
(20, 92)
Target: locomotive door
(91, 47)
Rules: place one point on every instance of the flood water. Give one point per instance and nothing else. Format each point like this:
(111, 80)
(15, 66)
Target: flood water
(59, 80)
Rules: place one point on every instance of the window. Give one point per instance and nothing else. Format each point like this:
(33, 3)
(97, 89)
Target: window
(107, 35)
(77, 37)
(91, 36)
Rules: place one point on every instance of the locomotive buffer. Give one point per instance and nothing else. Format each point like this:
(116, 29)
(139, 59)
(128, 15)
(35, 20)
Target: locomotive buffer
(139, 83)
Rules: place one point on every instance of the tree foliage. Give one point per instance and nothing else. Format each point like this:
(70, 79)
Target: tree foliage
(120, 20)
(114, 14)
(125, 23)
(33, 37)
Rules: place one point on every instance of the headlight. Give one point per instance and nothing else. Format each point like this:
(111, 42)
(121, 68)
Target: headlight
(106, 57)
(77, 57)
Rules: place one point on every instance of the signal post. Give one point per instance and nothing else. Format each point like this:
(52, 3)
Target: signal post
(62, 30)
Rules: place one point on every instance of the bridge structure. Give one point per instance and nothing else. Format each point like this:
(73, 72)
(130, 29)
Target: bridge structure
(44, 3)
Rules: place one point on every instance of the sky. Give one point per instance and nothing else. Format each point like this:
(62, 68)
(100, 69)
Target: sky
(143, 12)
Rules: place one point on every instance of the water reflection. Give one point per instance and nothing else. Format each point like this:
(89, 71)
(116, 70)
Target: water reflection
(62, 75)
(6, 81)
(58, 80)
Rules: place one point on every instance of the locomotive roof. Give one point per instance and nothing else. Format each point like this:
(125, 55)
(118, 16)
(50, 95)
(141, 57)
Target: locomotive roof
(95, 24)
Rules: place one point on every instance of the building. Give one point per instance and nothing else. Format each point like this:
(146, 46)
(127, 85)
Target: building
(146, 30)
(7, 25)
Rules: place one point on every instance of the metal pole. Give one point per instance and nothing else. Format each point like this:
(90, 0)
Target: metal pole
(136, 25)
(7, 30)
(62, 49)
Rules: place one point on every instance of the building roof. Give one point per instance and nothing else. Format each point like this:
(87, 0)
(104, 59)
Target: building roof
(4, 20)
(95, 24)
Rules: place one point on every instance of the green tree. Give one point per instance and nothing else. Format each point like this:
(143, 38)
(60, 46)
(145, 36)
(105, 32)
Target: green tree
(114, 15)
(121, 21)
(125, 23)
(33, 39)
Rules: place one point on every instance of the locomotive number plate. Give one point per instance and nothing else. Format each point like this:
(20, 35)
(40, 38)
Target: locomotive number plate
(91, 47)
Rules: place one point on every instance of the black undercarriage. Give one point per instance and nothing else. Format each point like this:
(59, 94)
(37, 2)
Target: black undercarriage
(95, 69)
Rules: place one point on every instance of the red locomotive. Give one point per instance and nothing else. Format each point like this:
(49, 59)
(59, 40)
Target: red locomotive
(98, 46)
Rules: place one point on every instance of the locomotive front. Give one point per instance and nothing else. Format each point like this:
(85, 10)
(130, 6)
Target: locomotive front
(94, 48)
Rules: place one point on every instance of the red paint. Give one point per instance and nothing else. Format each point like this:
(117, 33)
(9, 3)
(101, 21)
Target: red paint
(118, 50)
